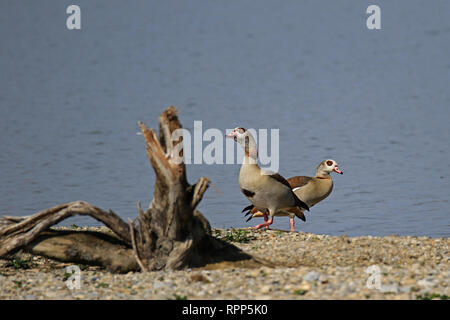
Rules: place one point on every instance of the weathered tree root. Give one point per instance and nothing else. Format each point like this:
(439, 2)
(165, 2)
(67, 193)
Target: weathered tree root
(19, 233)
(85, 247)
(170, 234)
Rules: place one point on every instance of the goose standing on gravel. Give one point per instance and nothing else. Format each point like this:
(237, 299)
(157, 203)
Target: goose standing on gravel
(267, 191)
(311, 189)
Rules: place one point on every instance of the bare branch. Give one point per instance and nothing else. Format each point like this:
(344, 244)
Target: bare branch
(30, 221)
(133, 243)
(200, 187)
(156, 155)
(22, 233)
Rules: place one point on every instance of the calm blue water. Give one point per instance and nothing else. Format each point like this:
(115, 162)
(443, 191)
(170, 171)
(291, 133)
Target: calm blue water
(378, 102)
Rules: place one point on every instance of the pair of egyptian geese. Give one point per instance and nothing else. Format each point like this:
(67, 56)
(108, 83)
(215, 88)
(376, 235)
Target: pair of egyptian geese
(272, 195)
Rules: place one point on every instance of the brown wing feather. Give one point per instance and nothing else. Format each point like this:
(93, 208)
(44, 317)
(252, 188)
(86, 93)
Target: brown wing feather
(280, 179)
(299, 181)
(298, 212)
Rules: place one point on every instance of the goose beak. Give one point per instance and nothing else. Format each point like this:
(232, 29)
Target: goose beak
(231, 135)
(336, 169)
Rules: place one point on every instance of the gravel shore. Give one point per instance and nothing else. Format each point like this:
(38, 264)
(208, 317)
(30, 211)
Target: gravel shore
(308, 266)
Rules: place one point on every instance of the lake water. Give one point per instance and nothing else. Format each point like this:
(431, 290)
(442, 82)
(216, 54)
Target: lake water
(376, 101)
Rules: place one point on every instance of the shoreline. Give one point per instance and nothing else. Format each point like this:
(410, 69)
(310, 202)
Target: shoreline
(307, 266)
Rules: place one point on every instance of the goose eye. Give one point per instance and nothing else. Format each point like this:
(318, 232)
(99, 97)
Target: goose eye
(329, 163)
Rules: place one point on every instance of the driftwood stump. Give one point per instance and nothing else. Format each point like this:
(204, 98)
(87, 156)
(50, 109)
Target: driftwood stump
(170, 234)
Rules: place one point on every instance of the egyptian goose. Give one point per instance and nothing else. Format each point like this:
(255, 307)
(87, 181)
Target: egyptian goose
(311, 189)
(267, 191)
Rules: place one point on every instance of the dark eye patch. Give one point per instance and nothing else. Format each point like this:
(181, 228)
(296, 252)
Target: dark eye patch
(241, 130)
(329, 163)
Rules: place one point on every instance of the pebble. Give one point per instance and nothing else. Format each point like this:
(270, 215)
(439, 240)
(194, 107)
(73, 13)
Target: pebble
(305, 286)
(159, 284)
(312, 276)
(425, 283)
(405, 289)
(265, 289)
(389, 288)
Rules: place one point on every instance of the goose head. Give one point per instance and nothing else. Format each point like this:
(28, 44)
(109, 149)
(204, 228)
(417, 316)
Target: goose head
(326, 167)
(238, 134)
(246, 140)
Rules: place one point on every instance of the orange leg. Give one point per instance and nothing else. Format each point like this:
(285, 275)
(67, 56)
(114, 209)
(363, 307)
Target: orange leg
(291, 222)
(266, 218)
(266, 224)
